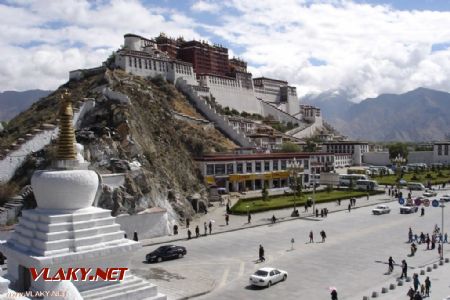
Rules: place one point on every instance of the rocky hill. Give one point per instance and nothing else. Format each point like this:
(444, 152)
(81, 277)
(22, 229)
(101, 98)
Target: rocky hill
(13, 102)
(133, 129)
(419, 115)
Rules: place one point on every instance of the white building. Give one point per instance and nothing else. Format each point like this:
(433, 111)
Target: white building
(441, 152)
(355, 148)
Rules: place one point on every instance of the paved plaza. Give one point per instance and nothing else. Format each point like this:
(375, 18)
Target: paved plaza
(353, 258)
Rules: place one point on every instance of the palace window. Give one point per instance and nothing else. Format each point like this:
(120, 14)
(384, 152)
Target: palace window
(275, 165)
(249, 168)
(446, 150)
(140, 63)
(220, 169)
(439, 149)
(267, 166)
(258, 166)
(209, 169)
(135, 62)
(130, 61)
(283, 164)
(230, 169)
(239, 168)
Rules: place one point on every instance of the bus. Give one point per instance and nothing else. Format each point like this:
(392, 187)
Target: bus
(345, 179)
(416, 186)
(366, 185)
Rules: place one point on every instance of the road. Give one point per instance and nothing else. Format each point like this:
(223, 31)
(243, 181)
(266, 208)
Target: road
(352, 258)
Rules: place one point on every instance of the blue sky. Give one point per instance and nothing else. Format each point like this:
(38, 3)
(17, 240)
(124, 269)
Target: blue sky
(363, 47)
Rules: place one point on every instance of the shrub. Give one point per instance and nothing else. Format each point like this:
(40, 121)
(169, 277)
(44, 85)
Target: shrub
(428, 176)
(7, 191)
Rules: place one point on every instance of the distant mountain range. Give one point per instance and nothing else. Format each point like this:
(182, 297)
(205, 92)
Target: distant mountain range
(12, 102)
(419, 115)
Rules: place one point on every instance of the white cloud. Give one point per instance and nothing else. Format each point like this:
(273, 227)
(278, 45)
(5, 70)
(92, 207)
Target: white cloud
(367, 49)
(205, 6)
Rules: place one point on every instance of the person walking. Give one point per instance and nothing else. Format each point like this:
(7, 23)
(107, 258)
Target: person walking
(367, 194)
(135, 236)
(317, 212)
(197, 231)
(227, 218)
(311, 237)
(175, 229)
(413, 249)
(416, 282)
(205, 227)
(427, 286)
(440, 250)
(261, 254)
(391, 263)
(323, 235)
(349, 207)
(404, 269)
(334, 295)
(445, 238)
(422, 212)
(210, 227)
(249, 218)
(273, 219)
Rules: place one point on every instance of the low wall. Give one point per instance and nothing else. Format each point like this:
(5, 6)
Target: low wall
(147, 224)
(221, 123)
(278, 114)
(310, 130)
(382, 158)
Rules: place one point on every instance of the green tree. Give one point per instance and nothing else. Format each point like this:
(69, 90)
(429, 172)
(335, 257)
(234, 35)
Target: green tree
(310, 146)
(290, 147)
(397, 149)
(265, 193)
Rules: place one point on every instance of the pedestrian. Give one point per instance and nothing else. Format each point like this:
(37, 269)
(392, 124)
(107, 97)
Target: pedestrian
(417, 296)
(404, 269)
(428, 241)
(416, 282)
(325, 212)
(427, 286)
(210, 226)
(273, 219)
(334, 295)
(189, 234)
(306, 207)
(422, 289)
(317, 213)
(410, 293)
(323, 235)
(261, 254)
(197, 231)
(391, 263)
(292, 243)
(135, 236)
(321, 213)
(228, 208)
(175, 229)
(249, 218)
(205, 227)
(422, 212)
(445, 238)
(227, 218)
(440, 250)
(413, 249)
(367, 194)
(349, 207)
(311, 237)
(187, 222)
(410, 235)
(339, 202)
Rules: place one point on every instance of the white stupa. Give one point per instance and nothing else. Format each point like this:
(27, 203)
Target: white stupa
(66, 231)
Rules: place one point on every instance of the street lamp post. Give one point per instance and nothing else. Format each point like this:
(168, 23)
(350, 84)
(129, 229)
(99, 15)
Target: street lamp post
(442, 231)
(295, 168)
(399, 161)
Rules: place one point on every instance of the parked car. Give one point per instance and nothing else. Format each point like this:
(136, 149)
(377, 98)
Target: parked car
(381, 209)
(408, 208)
(446, 198)
(267, 276)
(166, 252)
(429, 193)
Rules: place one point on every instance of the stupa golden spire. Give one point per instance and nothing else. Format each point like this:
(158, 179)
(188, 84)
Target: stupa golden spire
(66, 141)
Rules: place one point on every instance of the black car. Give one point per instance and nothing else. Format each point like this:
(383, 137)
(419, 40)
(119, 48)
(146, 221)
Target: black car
(166, 252)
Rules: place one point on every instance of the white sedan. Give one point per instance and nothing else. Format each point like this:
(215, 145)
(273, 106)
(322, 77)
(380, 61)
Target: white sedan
(381, 209)
(430, 194)
(446, 198)
(267, 276)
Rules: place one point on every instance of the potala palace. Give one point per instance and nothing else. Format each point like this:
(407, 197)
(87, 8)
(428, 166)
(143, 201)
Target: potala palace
(208, 71)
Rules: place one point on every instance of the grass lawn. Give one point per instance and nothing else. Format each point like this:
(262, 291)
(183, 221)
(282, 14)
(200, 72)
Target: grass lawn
(278, 202)
(419, 177)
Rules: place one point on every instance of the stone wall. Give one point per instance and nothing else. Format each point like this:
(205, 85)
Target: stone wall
(220, 122)
(148, 224)
(278, 114)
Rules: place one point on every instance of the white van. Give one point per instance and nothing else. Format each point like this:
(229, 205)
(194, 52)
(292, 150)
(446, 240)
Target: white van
(416, 186)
